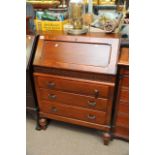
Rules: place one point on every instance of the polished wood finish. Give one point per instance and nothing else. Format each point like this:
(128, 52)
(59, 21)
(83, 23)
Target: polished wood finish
(74, 99)
(75, 74)
(65, 91)
(75, 85)
(105, 128)
(121, 117)
(124, 57)
(78, 87)
(89, 115)
(122, 132)
(60, 50)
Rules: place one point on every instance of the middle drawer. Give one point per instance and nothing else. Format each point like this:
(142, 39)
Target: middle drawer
(74, 99)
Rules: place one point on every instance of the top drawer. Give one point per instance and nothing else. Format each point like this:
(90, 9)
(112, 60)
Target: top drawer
(74, 85)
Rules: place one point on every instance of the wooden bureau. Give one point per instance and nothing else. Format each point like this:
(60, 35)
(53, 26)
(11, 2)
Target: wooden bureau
(75, 79)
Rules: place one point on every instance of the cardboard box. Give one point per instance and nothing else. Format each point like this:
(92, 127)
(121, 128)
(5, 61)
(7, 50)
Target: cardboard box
(49, 25)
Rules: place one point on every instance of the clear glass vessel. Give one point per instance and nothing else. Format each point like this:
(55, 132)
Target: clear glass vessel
(76, 12)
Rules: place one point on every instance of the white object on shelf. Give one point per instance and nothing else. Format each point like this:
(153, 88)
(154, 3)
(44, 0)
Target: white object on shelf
(90, 6)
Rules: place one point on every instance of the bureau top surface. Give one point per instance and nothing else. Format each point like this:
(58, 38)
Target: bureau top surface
(124, 57)
(49, 35)
(92, 52)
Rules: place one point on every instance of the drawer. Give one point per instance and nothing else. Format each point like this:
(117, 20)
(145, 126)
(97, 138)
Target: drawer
(123, 107)
(88, 115)
(122, 120)
(124, 94)
(74, 99)
(124, 71)
(122, 132)
(77, 86)
(125, 81)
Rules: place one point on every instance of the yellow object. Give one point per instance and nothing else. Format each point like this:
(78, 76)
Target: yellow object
(49, 25)
(43, 2)
(95, 2)
(106, 2)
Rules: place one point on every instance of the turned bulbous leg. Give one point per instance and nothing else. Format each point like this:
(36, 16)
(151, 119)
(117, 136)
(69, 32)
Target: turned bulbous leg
(43, 123)
(106, 138)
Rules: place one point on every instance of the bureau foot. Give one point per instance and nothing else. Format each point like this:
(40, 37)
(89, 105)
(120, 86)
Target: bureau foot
(38, 126)
(37, 123)
(42, 123)
(106, 138)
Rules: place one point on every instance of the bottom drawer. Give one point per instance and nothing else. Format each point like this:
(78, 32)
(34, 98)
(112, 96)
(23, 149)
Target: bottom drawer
(122, 120)
(123, 107)
(121, 132)
(88, 115)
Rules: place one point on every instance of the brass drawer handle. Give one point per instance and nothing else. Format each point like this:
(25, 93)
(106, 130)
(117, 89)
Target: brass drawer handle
(92, 103)
(52, 96)
(92, 117)
(51, 84)
(96, 92)
(54, 109)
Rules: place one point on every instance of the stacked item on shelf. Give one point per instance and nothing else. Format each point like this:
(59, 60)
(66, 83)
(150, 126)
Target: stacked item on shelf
(101, 2)
(44, 3)
(53, 19)
(108, 22)
(106, 2)
(95, 2)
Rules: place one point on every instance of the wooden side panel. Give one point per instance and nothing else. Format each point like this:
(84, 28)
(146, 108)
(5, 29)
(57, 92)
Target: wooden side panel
(121, 119)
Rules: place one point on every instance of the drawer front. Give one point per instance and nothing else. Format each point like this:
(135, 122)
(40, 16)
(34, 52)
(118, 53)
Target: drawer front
(88, 115)
(124, 95)
(122, 120)
(74, 99)
(124, 71)
(125, 81)
(122, 132)
(76, 86)
(123, 107)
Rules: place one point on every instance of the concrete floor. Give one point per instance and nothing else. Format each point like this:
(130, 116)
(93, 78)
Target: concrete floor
(66, 139)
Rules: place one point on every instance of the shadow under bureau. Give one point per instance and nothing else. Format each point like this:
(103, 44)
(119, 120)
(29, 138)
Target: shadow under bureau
(75, 79)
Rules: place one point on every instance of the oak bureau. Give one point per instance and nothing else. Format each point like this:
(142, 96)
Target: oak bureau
(75, 79)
